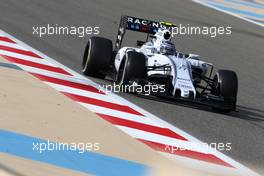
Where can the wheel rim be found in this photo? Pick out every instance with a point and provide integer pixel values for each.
(86, 56)
(216, 90)
(120, 74)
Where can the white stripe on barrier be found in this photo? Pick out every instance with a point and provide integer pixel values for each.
(77, 91)
(12, 45)
(119, 114)
(38, 70)
(26, 58)
(171, 142)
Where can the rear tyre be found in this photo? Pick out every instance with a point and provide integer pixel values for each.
(97, 57)
(132, 67)
(226, 86)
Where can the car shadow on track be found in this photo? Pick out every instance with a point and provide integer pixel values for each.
(248, 113)
(242, 112)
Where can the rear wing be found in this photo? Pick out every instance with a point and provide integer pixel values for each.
(138, 25)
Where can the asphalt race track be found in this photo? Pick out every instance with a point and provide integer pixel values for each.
(242, 51)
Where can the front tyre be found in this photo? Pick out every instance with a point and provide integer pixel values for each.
(133, 66)
(226, 86)
(97, 57)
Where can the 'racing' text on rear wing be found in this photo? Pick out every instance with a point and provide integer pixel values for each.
(139, 25)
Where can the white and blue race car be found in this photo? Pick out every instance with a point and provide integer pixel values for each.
(155, 61)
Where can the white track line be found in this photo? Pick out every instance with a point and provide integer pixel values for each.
(228, 12)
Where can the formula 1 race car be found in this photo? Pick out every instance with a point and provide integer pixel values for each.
(155, 62)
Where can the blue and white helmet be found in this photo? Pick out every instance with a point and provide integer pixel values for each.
(163, 34)
(163, 42)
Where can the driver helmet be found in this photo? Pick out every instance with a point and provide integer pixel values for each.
(163, 34)
(166, 35)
